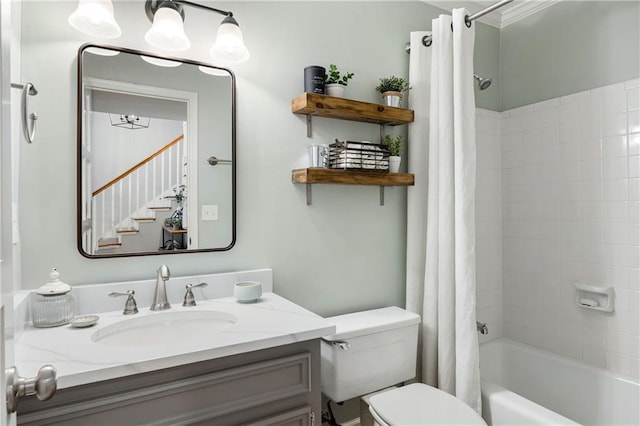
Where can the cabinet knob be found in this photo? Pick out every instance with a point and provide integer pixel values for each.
(380, 109)
(43, 386)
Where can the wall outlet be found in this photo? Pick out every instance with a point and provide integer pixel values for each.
(210, 212)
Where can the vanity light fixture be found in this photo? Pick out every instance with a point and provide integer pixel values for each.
(95, 17)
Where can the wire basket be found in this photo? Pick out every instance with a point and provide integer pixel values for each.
(364, 156)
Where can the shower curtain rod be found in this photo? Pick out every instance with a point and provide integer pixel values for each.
(426, 40)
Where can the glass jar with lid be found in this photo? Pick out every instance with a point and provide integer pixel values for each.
(52, 304)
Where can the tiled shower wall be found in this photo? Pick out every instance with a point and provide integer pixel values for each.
(489, 222)
(571, 210)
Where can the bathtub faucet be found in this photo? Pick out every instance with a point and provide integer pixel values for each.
(482, 327)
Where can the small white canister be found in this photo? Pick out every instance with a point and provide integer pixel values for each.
(51, 304)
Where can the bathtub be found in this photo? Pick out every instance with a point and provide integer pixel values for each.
(522, 385)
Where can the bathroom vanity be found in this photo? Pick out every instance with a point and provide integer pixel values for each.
(264, 368)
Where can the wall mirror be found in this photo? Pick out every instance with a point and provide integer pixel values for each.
(156, 154)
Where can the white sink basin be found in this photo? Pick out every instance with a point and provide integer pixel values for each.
(164, 327)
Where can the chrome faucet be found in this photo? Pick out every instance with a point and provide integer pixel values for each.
(482, 327)
(160, 302)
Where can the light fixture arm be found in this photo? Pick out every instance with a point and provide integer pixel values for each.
(150, 7)
(200, 6)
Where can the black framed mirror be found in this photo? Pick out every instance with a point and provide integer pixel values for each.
(156, 156)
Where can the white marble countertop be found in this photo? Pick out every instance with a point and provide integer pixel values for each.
(270, 322)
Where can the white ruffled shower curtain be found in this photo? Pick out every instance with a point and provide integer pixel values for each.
(441, 265)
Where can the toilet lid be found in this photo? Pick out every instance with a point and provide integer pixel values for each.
(420, 404)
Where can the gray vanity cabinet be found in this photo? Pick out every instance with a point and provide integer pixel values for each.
(276, 386)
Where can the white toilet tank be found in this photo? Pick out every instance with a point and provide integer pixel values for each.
(371, 350)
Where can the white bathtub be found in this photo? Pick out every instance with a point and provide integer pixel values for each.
(522, 385)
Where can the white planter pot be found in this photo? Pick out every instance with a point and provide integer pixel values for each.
(392, 98)
(394, 163)
(335, 89)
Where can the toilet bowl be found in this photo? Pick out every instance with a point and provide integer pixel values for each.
(420, 404)
(376, 349)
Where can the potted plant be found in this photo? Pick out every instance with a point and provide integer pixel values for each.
(392, 89)
(395, 145)
(335, 83)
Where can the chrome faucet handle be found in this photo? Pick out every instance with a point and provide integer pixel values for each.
(130, 306)
(189, 299)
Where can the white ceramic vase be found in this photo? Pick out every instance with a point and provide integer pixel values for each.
(392, 98)
(394, 163)
(335, 89)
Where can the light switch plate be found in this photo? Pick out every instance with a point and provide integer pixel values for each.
(209, 212)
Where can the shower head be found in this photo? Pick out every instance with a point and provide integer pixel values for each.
(483, 83)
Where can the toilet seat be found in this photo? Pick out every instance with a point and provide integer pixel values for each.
(420, 404)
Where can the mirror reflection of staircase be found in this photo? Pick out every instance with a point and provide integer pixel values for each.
(128, 213)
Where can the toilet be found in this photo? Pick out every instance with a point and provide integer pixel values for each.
(377, 349)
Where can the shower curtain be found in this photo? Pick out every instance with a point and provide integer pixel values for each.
(441, 207)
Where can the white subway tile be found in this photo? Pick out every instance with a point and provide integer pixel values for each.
(634, 234)
(590, 128)
(634, 121)
(591, 211)
(570, 132)
(569, 152)
(614, 168)
(614, 146)
(549, 116)
(549, 136)
(513, 124)
(634, 166)
(568, 191)
(633, 99)
(634, 189)
(615, 211)
(552, 343)
(591, 170)
(568, 211)
(634, 211)
(590, 149)
(512, 142)
(531, 120)
(618, 362)
(614, 102)
(572, 346)
(569, 172)
(614, 124)
(615, 189)
(634, 144)
(592, 191)
(615, 233)
(569, 112)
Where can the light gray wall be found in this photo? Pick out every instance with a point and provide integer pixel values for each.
(343, 253)
(567, 48)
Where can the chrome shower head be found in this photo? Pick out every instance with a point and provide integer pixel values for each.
(483, 83)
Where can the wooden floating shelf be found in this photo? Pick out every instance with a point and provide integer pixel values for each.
(348, 109)
(351, 177)
(314, 104)
(311, 176)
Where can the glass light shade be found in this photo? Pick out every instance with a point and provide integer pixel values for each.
(167, 31)
(95, 17)
(229, 46)
(214, 71)
(160, 62)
